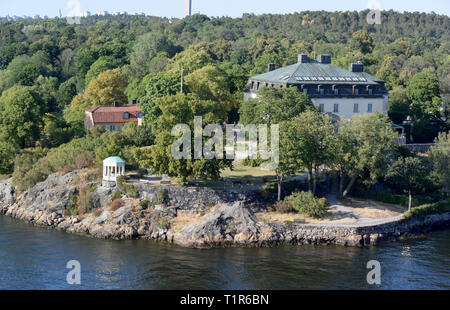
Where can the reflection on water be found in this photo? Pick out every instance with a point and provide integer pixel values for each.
(35, 258)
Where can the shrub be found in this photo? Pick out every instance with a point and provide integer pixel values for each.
(145, 204)
(97, 212)
(306, 203)
(284, 206)
(116, 195)
(427, 209)
(116, 204)
(401, 200)
(127, 189)
(162, 196)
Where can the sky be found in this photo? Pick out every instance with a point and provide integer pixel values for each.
(233, 8)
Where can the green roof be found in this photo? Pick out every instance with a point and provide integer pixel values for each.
(114, 160)
(316, 73)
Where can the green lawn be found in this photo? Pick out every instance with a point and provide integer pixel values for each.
(248, 175)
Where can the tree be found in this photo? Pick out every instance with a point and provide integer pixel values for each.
(274, 105)
(210, 83)
(314, 141)
(108, 87)
(147, 47)
(440, 157)
(100, 65)
(407, 173)
(425, 95)
(362, 42)
(375, 140)
(398, 105)
(21, 111)
(157, 86)
(181, 109)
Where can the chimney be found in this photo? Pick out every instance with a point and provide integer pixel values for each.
(116, 104)
(270, 67)
(303, 58)
(324, 59)
(357, 67)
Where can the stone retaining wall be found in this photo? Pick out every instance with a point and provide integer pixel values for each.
(195, 198)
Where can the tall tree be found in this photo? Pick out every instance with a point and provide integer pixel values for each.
(21, 111)
(408, 173)
(425, 95)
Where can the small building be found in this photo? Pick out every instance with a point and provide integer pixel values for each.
(113, 118)
(112, 168)
(335, 91)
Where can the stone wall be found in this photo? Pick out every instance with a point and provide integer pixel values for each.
(354, 235)
(195, 198)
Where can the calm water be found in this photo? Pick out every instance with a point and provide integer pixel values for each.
(35, 258)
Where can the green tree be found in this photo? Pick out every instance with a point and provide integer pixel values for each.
(408, 173)
(21, 111)
(425, 95)
(108, 87)
(440, 157)
(314, 141)
(362, 42)
(274, 105)
(375, 139)
(100, 65)
(157, 86)
(181, 109)
(398, 105)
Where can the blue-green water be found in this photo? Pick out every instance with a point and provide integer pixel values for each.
(36, 258)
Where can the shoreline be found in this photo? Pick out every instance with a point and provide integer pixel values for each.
(231, 224)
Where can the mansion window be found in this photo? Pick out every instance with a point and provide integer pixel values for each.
(369, 108)
(321, 91)
(336, 108)
(322, 107)
(356, 108)
(356, 91)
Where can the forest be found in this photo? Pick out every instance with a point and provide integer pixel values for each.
(52, 71)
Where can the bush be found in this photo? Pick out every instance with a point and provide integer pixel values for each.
(401, 200)
(306, 203)
(127, 189)
(116, 195)
(162, 196)
(427, 209)
(145, 204)
(116, 204)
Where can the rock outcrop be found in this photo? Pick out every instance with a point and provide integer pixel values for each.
(227, 224)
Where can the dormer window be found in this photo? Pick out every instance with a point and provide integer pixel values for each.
(126, 115)
(336, 91)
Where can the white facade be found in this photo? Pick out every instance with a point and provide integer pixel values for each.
(349, 107)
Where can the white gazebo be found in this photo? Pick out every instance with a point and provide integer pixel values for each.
(112, 168)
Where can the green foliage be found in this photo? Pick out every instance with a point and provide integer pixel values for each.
(162, 196)
(21, 111)
(361, 41)
(306, 203)
(408, 173)
(274, 105)
(425, 96)
(116, 195)
(428, 209)
(127, 189)
(440, 158)
(400, 200)
(398, 105)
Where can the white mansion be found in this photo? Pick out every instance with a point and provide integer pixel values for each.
(334, 90)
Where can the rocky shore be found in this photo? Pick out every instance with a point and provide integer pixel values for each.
(223, 225)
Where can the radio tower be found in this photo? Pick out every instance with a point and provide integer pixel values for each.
(188, 9)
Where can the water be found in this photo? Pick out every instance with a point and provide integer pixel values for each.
(36, 258)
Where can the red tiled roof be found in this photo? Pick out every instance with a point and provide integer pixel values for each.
(115, 114)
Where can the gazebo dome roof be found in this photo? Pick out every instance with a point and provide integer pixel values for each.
(114, 160)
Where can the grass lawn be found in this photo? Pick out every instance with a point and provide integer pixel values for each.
(248, 175)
